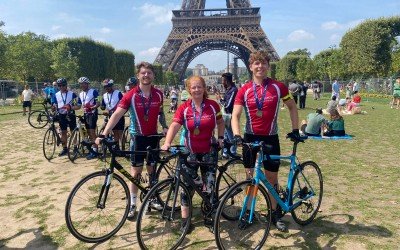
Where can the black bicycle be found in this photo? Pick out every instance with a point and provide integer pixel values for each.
(98, 205)
(40, 118)
(164, 229)
(52, 137)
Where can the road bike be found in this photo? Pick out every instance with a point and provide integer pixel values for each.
(98, 205)
(250, 203)
(163, 229)
(52, 137)
(40, 118)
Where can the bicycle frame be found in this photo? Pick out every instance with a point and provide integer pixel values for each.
(287, 204)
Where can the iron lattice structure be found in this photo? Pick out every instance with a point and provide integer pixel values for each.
(196, 30)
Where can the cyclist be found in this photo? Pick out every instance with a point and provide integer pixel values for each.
(131, 83)
(199, 116)
(109, 103)
(88, 99)
(227, 102)
(260, 98)
(65, 102)
(145, 104)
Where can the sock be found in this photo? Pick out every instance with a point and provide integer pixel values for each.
(94, 149)
(133, 199)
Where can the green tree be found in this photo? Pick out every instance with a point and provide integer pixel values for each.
(29, 55)
(368, 46)
(171, 78)
(158, 80)
(125, 65)
(64, 63)
(305, 69)
(329, 64)
(3, 47)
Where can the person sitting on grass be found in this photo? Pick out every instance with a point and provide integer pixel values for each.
(335, 125)
(332, 104)
(315, 123)
(354, 105)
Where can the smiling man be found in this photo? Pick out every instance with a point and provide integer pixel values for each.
(260, 99)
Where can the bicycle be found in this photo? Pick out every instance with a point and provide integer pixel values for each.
(98, 205)
(251, 203)
(40, 118)
(80, 135)
(161, 229)
(52, 138)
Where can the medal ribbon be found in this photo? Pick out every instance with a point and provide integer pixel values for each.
(109, 99)
(196, 119)
(260, 103)
(146, 107)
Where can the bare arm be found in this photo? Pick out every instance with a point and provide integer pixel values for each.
(235, 122)
(173, 129)
(162, 120)
(294, 116)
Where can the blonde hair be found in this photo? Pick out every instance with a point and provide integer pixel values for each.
(197, 78)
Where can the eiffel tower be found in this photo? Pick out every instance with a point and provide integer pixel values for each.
(196, 30)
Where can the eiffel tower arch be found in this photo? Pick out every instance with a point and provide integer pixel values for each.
(195, 30)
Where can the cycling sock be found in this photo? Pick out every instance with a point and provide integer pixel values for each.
(133, 199)
(94, 149)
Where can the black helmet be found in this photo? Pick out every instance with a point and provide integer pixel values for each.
(132, 80)
(62, 81)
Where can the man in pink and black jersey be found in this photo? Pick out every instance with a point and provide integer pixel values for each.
(259, 98)
(145, 104)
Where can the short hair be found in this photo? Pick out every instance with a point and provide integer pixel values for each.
(199, 78)
(228, 76)
(145, 65)
(260, 55)
(318, 111)
(333, 98)
(355, 92)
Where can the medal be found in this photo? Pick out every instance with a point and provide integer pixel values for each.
(197, 120)
(260, 102)
(146, 118)
(259, 113)
(196, 131)
(145, 107)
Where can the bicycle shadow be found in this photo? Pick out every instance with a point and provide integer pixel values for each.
(332, 226)
(40, 240)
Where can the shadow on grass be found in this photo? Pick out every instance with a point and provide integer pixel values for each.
(332, 227)
(38, 242)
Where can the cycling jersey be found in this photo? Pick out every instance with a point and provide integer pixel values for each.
(144, 111)
(111, 100)
(263, 122)
(88, 99)
(198, 142)
(62, 99)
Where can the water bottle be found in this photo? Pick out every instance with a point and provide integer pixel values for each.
(210, 177)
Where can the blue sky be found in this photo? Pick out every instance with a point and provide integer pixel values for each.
(143, 26)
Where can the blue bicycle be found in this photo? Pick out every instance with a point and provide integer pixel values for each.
(251, 203)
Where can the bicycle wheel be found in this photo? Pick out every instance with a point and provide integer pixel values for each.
(239, 233)
(38, 119)
(75, 146)
(126, 139)
(162, 229)
(49, 144)
(229, 174)
(307, 189)
(167, 168)
(89, 222)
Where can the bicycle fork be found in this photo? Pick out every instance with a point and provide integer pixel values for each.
(246, 215)
(101, 203)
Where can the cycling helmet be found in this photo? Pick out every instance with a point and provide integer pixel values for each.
(62, 81)
(83, 79)
(108, 83)
(132, 80)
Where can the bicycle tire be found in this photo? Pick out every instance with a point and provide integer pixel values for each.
(307, 179)
(49, 144)
(38, 119)
(75, 147)
(126, 139)
(155, 231)
(229, 174)
(118, 193)
(167, 168)
(236, 234)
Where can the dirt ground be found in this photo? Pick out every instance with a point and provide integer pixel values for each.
(34, 192)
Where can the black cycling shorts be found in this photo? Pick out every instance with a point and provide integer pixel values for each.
(140, 143)
(67, 121)
(27, 104)
(120, 124)
(91, 120)
(249, 156)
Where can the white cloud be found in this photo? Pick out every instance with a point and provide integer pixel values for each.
(334, 38)
(151, 52)
(105, 30)
(299, 35)
(333, 25)
(156, 14)
(59, 36)
(55, 27)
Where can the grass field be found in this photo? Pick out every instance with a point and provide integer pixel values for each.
(360, 207)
